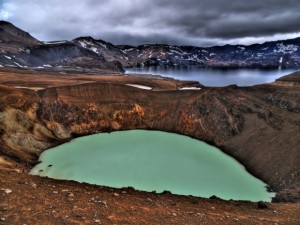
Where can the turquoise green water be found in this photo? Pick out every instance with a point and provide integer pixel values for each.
(152, 161)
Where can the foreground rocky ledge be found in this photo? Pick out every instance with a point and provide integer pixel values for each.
(33, 200)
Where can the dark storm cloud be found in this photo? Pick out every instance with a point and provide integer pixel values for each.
(188, 22)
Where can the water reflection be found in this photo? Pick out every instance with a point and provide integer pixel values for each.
(216, 77)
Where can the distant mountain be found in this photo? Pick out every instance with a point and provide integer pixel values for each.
(109, 51)
(12, 38)
(20, 49)
(285, 54)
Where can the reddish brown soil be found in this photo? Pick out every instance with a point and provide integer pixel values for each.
(40, 80)
(36, 200)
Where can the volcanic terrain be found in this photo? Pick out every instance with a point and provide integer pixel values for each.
(48, 97)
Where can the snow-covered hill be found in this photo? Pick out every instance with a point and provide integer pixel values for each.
(19, 49)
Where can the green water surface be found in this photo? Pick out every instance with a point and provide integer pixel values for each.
(152, 161)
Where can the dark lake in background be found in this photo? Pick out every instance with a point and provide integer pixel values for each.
(216, 77)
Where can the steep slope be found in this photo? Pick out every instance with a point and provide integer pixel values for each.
(20, 49)
(109, 51)
(60, 56)
(13, 38)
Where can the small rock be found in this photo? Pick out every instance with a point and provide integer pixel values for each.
(274, 211)
(262, 205)
(71, 195)
(236, 219)
(124, 192)
(213, 208)
(97, 221)
(7, 191)
(34, 185)
(2, 219)
(174, 214)
(55, 192)
(103, 203)
(75, 207)
(116, 194)
(214, 197)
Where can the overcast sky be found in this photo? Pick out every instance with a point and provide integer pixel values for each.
(181, 22)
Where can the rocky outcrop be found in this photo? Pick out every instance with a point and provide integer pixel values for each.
(289, 80)
(109, 51)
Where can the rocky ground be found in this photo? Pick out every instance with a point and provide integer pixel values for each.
(32, 200)
(259, 126)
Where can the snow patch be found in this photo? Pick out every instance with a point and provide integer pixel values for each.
(140, 86)
(189, 88)
(128, 50)
(103, 45)
(18, 64)
(176, 52)
(83, 44)
(7, 57)
(280, 60)
(94, 49)
(286, 48)
(55, 42)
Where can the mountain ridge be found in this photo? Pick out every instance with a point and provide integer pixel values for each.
(103, 55)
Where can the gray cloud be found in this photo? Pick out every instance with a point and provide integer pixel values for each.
(188, 22)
